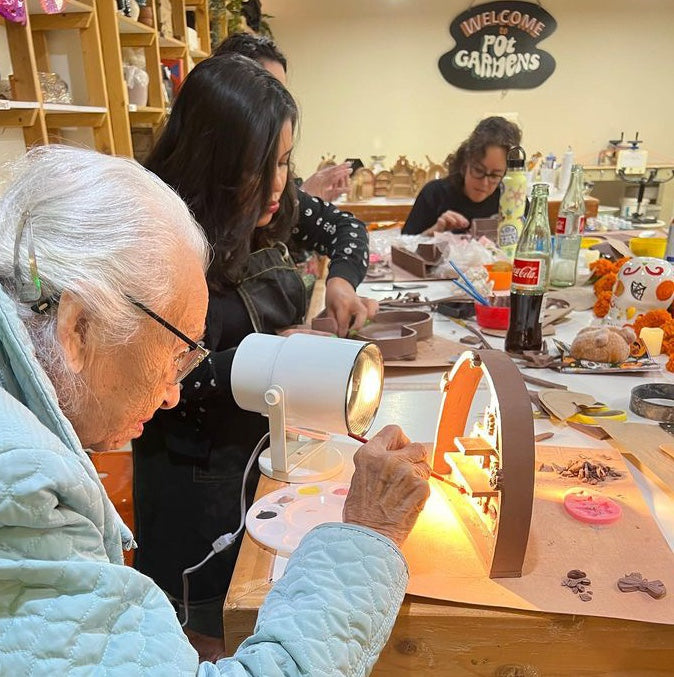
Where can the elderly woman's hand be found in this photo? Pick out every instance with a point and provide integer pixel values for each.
(349, 310)
(390, 485)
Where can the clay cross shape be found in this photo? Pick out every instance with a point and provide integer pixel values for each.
(635, 581)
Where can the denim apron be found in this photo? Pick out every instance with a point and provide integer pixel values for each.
(188, 466)
(272, 290)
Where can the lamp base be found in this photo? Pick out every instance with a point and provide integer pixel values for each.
(312, 461)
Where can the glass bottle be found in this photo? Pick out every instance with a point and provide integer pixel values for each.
(531, 273)
(568, 232)
(512, 203)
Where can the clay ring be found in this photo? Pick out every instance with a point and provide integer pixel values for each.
(640, 401)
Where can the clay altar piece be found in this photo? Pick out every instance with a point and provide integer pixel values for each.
(395, 332)
(495, 464)
(419, 263)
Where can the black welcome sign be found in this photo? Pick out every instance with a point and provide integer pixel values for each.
(496, 47)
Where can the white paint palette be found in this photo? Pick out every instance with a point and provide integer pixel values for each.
(281, 519)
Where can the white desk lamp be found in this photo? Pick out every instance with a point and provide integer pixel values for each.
(314, 383)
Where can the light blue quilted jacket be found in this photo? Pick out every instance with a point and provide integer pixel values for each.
(68, 606)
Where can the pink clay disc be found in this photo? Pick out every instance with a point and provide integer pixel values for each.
(591, 507)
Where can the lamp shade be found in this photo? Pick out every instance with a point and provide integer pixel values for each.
(328, 384)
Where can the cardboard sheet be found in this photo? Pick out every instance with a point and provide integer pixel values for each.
(642, 444)
(444, 564)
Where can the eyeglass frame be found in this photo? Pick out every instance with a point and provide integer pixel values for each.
(481, 174)
(202, 353)
(33, 293)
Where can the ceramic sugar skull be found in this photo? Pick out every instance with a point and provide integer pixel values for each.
(643, 284)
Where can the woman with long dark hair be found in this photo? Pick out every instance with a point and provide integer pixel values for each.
(471, 189)
(226, 150)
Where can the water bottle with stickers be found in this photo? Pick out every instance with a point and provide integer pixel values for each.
(512, 203)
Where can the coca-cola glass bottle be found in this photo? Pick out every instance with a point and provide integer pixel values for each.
(568, 233)
(531, 273)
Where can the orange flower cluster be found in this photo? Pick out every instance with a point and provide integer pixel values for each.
(604, 275)
(605, 283)
(602, 303)
(601, 267)
(659, 318)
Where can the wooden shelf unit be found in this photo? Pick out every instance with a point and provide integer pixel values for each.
(202, 27)
(118, 31)
(102, 32)
(29, 54)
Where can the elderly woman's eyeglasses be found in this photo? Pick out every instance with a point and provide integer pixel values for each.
(188, 360)
(479, 174)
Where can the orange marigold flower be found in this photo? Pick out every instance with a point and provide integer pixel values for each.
(602, 304)
(600, 267)
(657, 318)
(605, 283)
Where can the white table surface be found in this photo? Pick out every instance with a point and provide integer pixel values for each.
(412, 397)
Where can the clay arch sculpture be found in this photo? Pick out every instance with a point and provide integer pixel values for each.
(490, 471)
(395, 332)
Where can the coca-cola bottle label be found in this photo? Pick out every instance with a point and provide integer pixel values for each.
(565, 225)
(528, 273)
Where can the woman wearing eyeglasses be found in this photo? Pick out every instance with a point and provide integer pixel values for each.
(471, 189)
(102, 302)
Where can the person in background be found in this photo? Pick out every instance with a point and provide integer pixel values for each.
(327, 183)
(227, 150)
(471, 189)
(102, 300)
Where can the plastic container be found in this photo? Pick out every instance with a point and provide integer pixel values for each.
(492, 317)
(649, 246)
(588, 242)
(500, 278)
(628, 206)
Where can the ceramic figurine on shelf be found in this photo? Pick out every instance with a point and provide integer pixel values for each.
(361, 185)
(435, 170)
(54, 88)
(382, 183)
(13, 10)
(643, 284)
(402, 183)
(377, 164)
(327, 160)
(419, 177)
(146, 16)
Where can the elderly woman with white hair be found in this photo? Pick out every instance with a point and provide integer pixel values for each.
(102, 302)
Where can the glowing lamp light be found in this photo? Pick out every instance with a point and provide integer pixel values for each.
(308, 386)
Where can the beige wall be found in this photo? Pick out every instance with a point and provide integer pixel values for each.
(365, 75)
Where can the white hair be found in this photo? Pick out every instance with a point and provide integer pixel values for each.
(104, 229)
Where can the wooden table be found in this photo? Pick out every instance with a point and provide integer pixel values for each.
(380, 209)
(433, 637)
(442, 638)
